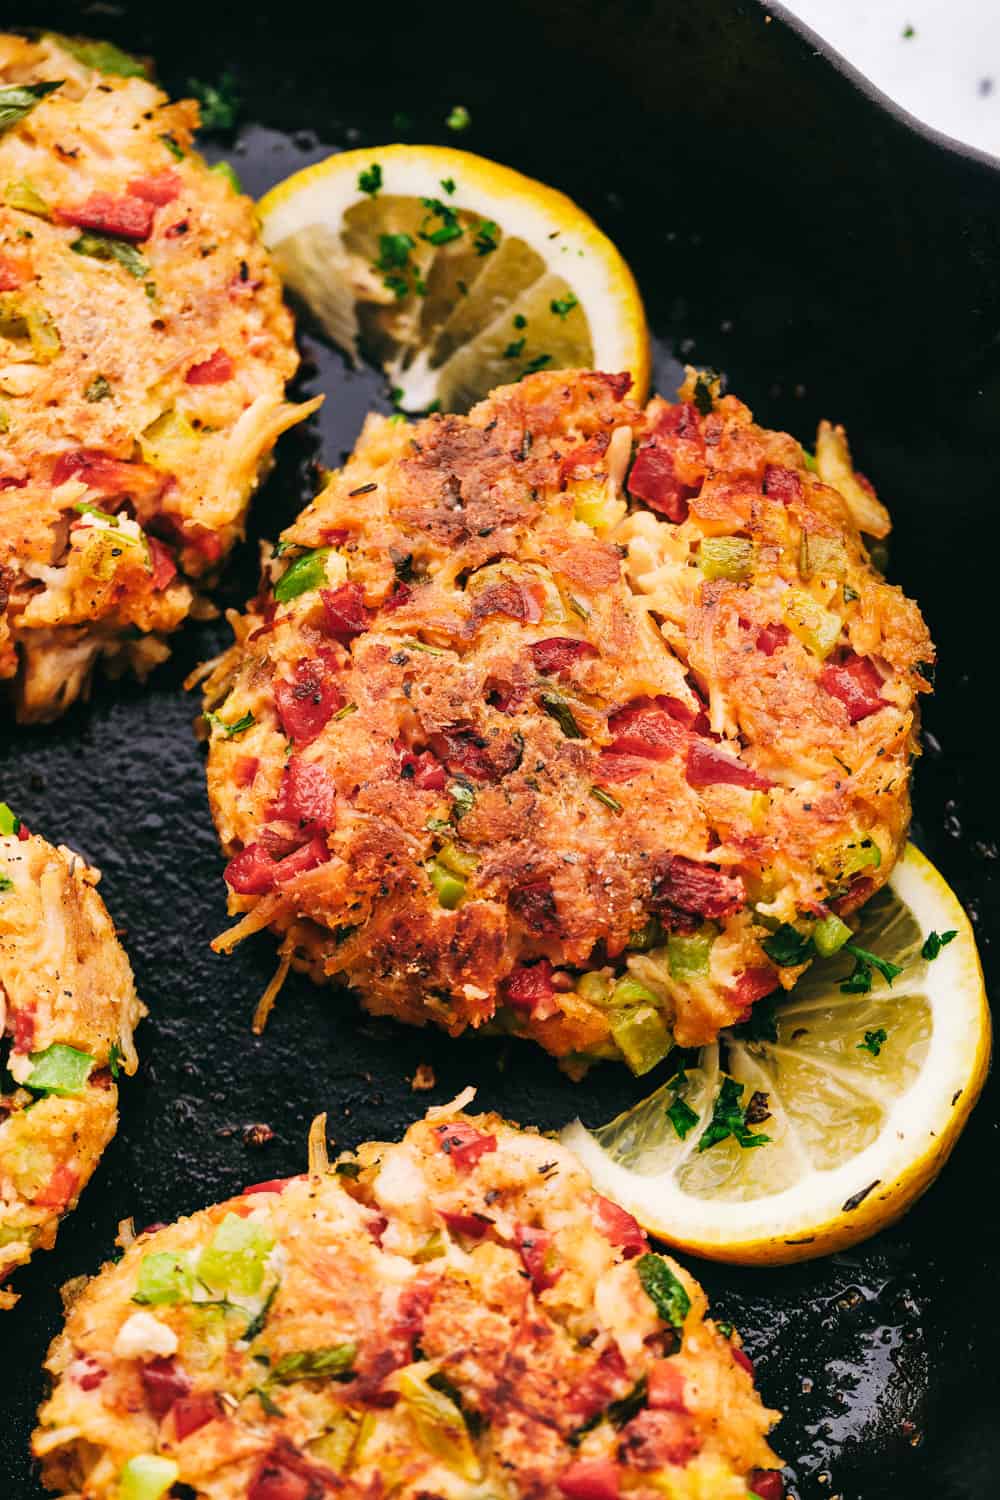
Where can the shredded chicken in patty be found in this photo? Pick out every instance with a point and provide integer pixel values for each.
(456, 1315)
(144, 351)
(67, 1011)
(584, 721)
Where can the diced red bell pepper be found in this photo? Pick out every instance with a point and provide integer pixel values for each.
(529, 988)
(215, 370)
(158, 189)
(164, 567)
(654, 481)
(306, 705)
(163, 1383)
(856, 682)
(654, 1439)
(12, 275)
(743, 1360)
(251, 872)
(767, 1484)
(701, 890)
(309, 857)
(24, 1030)
(245, 769)
(344, 613)
(752, 985)
(472, 1226)
(770, 637)
(273, 1185)
(665, 1386)
(520, 601)
(535, 904)
(59, 1189)
(424, 769)
(535, 1246)
(414, 1304)
(193, 1412)
(464, 1144)
(87, 1373)
(306, 796)
(107, 475)
(466, 752)
(619, 1227)
(591, 1479)
(782, 484)
(127, 217)
(651, 727)
(553, 656)
(708, 765)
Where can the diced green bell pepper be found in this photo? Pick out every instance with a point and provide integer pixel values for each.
(234, 1261)
(10, 823)
(830, 935)
(59, 1070)
(593, 987)
(26, 198)
(224, 170)
(459, 861)
(147, 1477)
(688, 953)
(449, 886)
(637, 1026)
(306, 573)
(163, 1279)
(728, 557)
(817, 628)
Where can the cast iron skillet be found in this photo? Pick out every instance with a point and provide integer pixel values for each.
(835, 261)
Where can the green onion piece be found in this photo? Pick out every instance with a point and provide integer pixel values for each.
(345, 712)
(147, 1477)
(238, 726)
(18, 100)
(450, 887)
(440, 1424)
(6, 884)
(163, 1279)
(234, 1261)
(26, 198)
(830, 935)
(557, 708)
(106, 247)
(817, 628)
(103, 57)
(726, 557)
(10, 823)
(99, 389)
(315, 1364)
(688, 955)
(305, 574)
(228, 173)
(663, 1289)
(612, 803)
(60, 1070)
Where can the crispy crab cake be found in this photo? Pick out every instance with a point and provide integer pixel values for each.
(586, 721)
(144, 350)
(456, 1315)
(69, 1007)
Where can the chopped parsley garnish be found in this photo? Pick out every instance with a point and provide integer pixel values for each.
(874, 1041)
(107, 247)
(394, 251)
(935, 941)
(729, 1118)
(20, 99)
(458, 118)
(6, 884)
(463, 796)
(449, 227)
(514, 349)
(762, 1023)
(115, 1060)
(663, 1289)
(485, 239)
(519, 320)
(859, 981)
(99, 389)
(726, 1329)
(538, 363)
(612, 803)
(448, 183)
(306, 573)
(703, 398)
(173, 146)
(219, 102)
(788, 947)
(332, 1363)
(371, 180)
(557, 708)
(563, 306)
(236, 727)
(59, 1070)
(397, 285)
(348, 1168)
(680, 1114)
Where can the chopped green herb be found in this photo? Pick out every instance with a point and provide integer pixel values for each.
(463, 796)
(538, 363)
(271, 1407)
(9, 822)
(563, 306)
(229, 174)
(874, 1041)
(256, 1324)
(729, 1119)
(316, 1364)
(459, 118)
(788, 947)
(397, 285)
(859, 981)
(448, 183)
(935, 941)
(173, 145)
(103, 57)
(909, 32)
(59, 1070)
(619, 1412)
(810, 460)
(663, 1289)
(473, 1419)
(115, 1060)
(345, 712)
(703, 398)
(557, 708)
(682, 1117)
(612, 803)
(726, 1329)
(106, 247)
(163, 1279)
(6, 884)
(348, 1169)
(486, 239)
(19, 100)
(370, 181)
(762, 1023)
(99, 389)
(514, 349)
(219, 102)
(449, 227)
(306, 573)
(413, 645)
(230, 731)
(519, 320)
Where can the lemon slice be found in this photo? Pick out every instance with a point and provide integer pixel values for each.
(865, 1095)
(454, 273)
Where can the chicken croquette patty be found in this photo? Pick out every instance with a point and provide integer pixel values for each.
(457, 1315)
(144, 350)
(591, 722)
(69, 1006)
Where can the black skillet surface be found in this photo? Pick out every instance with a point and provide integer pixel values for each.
(788, 229)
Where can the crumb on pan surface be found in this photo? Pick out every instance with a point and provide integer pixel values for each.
(458, 1314)
(570, 718)
(144, 350)
(68, 1007)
